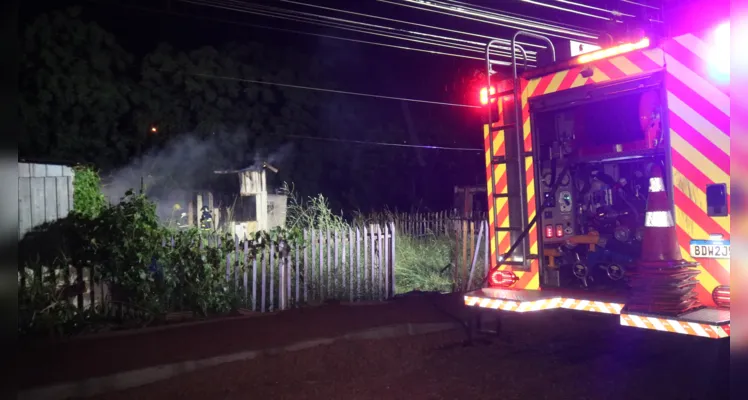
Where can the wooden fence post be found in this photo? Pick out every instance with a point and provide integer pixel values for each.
(475, 258)
(393, 263)
(306, 264)
(271, 296)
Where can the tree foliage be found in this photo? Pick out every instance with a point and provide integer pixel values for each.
(85, 98)
(74, 90)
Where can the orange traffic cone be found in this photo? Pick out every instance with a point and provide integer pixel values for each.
(660, 241)
(661, 282)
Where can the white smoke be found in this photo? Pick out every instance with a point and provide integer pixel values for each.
(186, 165)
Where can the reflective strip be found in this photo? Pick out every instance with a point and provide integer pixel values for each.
(656, 185)
(544, 304)
(675, 326)
(659, 219)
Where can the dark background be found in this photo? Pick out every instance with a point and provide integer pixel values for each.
(354, 176)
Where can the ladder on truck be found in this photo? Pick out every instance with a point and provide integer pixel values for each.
(514, 156)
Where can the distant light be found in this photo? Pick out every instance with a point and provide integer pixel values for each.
(154, 129)
(719, 53)
(613, 51)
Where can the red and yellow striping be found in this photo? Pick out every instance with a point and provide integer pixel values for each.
(699, 115)
(699, 120)
(674, 326)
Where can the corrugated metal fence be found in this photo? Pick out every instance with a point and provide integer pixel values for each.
(45, 194)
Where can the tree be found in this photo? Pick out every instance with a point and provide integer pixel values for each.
(74, 90)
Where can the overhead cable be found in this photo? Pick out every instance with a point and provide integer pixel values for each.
(416, 146)
(479, 46)
(268, 12)
(559, 8)
(520, 17)
(233, 78)
(532, 22)
(428, 51)
(306, 33)
(489, 18)
(439, 28)
(587, 6)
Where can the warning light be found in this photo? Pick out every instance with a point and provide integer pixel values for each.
(484, 94)
(559, 230)
(503, 278)
(719, 53)
(549, 231)
(721, 296)
(613, 51)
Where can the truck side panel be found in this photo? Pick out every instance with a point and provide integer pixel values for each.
(699, 121)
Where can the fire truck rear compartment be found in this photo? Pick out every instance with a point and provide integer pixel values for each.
(597, 155)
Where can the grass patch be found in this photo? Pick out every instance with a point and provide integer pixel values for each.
(423, 264)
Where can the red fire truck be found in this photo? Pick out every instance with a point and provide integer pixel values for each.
(608, 182)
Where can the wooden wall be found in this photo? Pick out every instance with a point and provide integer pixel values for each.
(45, 194)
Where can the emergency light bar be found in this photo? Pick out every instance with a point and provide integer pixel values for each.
(589, 57)
(612, 51)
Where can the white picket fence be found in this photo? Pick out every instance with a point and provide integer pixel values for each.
(356, 264)
(349, 265)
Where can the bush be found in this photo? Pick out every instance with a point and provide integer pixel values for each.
(146, 265)
(88, 199)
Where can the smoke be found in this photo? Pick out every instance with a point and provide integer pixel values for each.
(172, 173)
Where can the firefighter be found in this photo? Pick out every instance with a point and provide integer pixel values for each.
(206, 219)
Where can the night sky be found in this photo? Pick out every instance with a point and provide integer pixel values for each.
(140, 25)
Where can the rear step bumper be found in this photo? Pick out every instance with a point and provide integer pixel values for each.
(708, 322)
(537, 300)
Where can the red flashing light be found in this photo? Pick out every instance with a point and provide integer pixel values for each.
(503, 278)
(721, 296)
(549, 231)
(485, 93)
(559, 230)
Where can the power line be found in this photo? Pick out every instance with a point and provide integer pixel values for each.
(283, 14)
(467, 45)
(332, 90)
(257, 26)
(493, 18)
(274, 12)
(569, 10)
(505, 41)
(433, 52)
(518, 16)
(417, 146)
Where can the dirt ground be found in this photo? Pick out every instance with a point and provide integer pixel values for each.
(549, 355)
(48, 362)
(581, 357)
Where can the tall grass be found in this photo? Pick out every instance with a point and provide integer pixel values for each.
(424, 265)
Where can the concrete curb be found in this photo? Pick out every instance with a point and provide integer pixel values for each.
(144, 376)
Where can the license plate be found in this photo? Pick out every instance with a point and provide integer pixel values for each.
(710, 249)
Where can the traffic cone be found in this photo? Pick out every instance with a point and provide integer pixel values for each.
(661, 282)
(660, 241)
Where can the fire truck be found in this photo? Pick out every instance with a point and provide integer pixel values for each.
(608, 182)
